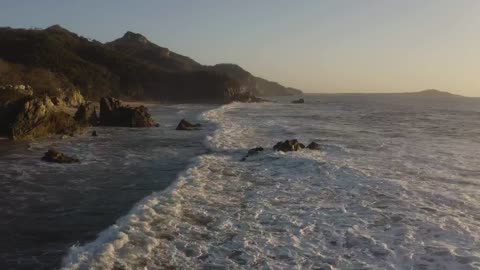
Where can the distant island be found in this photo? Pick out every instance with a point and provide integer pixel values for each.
(423, 93)
(431, 93)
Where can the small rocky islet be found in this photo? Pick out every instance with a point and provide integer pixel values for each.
(299, 101)
(284, 146)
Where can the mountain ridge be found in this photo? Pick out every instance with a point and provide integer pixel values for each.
(139, 46)
(130, 67)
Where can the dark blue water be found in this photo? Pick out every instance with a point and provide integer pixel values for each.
(46, 208)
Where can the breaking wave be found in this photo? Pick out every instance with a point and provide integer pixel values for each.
(339, 208)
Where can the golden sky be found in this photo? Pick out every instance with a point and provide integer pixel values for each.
(314, 45)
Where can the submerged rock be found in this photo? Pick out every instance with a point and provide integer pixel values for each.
(113, 113)
(58, 157)
(252, 152)
(185, 125)
(288, 145)
(313, 146)
(299, 101)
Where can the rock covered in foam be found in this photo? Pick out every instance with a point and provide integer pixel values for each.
(313, 146)
(294, 145)
(288, 145)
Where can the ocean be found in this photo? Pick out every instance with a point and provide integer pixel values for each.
(396, 185)
(47, 208)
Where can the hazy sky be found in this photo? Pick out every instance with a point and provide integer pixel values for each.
(315, 45)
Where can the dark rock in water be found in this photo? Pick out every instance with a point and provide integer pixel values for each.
(113, 113)
(57, 157)
(299, 101)
(94, 133)
(288, 145)
(313, 146)
(252, 152)
(185, 125)
(87, 115)
(157, 125)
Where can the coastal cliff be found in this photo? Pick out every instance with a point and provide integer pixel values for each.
(130, 67)
(260, 86)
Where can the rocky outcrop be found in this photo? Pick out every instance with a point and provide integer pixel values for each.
(185, 125)
(114, 113)
(58, 157)
(294, 145)
(298, 101)
(87, 115)
(73, 98)
(257, 85)
(314, 146)
(36, 118)
(253, 152)
(288, 145)
(24, 116)
(68, 98)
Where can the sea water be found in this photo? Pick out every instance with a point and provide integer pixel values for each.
(396, 185)
(46, 208)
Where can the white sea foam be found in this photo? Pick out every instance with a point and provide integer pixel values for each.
(332, 209)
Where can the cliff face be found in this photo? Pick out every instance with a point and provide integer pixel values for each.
(259, 86)
(140, 71)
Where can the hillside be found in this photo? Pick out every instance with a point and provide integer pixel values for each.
(262, 87)
(137, 46)
(98, 69)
